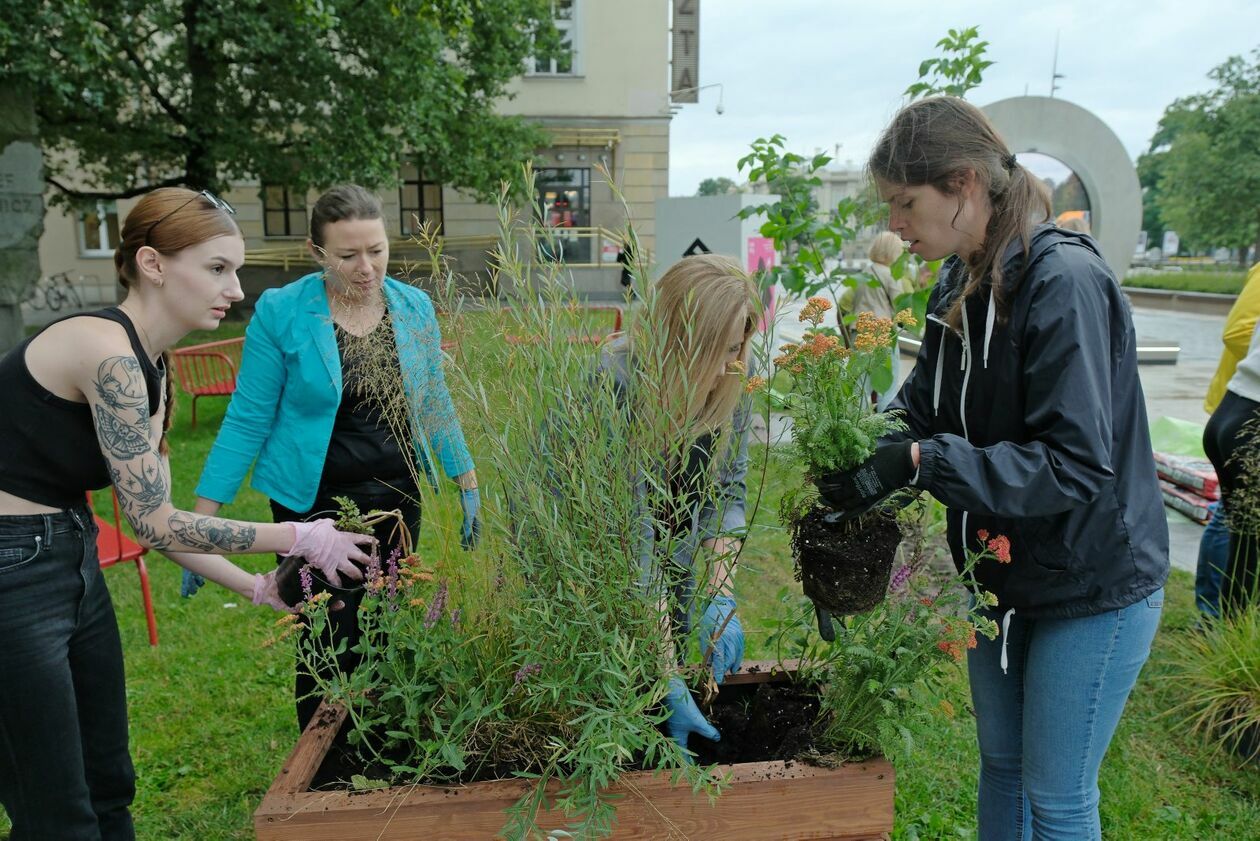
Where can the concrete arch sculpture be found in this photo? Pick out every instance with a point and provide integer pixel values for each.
(1085, 143)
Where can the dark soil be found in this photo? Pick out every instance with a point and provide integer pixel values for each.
(758, 722)
(844, 567)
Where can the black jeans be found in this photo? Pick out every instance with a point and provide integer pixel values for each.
(343, 624)
(1222, 436)
(65, 772)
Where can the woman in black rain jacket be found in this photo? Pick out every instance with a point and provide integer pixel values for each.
(1026, 418)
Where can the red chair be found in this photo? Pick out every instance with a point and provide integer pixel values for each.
(207, 370)
(114, 547)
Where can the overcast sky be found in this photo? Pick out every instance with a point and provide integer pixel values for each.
(822, 72)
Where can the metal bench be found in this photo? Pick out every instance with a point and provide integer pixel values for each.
(207, 370)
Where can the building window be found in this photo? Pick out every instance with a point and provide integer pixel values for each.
(98, 230)
(284, 211)
(419, 201)
(565, 61)
(564, 195)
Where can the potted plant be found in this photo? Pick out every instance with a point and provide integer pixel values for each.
(843, 565)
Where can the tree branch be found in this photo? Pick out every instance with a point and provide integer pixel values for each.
(176, 181)
(145, 79)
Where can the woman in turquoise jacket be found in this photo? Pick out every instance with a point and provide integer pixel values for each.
(318, 412)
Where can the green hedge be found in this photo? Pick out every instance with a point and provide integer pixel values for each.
(1226, 283)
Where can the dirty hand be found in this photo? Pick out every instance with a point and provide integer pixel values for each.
(190, 583)
(266, 592)
(470, 529)
(329, 550)
(685, 717)
(851, 492)
(728, 650)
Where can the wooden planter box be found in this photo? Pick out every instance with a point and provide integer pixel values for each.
(765, 800)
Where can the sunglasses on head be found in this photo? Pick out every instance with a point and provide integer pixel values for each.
(214, 200)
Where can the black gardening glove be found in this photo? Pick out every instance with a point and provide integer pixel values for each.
(852, 492)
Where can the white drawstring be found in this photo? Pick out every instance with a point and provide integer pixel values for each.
(1006, 626)
(940, 370)
(989, 319)
(966, 368)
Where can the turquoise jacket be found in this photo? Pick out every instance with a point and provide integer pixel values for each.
(289, 388)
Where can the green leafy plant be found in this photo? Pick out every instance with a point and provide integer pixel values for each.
(834, 423)
(960, 69)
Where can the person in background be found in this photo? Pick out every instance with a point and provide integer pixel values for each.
(881, 298)
(1240, 324)
(323, 357)
(87, 403)
(1231, 440)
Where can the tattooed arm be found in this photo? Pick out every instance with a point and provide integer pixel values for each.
(118, 396)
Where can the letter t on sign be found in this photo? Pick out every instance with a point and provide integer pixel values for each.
(684, 62)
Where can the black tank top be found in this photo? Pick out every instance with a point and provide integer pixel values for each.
(49, 453)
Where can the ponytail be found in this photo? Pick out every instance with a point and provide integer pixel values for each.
(168, 398)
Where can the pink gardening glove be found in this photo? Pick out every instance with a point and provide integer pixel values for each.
(265, 592)
(328, 550)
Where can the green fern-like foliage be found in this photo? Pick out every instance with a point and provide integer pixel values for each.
(835, 426)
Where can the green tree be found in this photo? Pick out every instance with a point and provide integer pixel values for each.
(716, 186)
(1207, 162)
(137, 94)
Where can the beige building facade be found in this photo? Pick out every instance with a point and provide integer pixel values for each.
(605, 103)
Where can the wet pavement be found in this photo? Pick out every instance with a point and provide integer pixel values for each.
(1175, 391)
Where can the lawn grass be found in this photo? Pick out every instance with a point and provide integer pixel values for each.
(212, 715)
(1221, 283)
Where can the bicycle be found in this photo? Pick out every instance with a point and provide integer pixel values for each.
(54, 291)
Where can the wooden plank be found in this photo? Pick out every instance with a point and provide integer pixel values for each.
(312, 746)
(791, 801)
(767, 800)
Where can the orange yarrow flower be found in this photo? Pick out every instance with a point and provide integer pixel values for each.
(820, 343)
(905, 318)
(814, 309)
(754, 383)
(1001, 546)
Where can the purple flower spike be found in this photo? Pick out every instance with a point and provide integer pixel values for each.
(391, 574)
(527, 671)
(900, 577)
(308, 585)
(437, 607)
(455, 615)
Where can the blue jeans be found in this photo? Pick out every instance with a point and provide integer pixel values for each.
(65, 771)
(1209, 573)
(1045, 724)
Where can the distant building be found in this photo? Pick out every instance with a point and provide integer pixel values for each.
(607, 101)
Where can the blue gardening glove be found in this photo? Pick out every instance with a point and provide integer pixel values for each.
(190, 584)
(728, 652)
(470, 529)
(685, 717)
